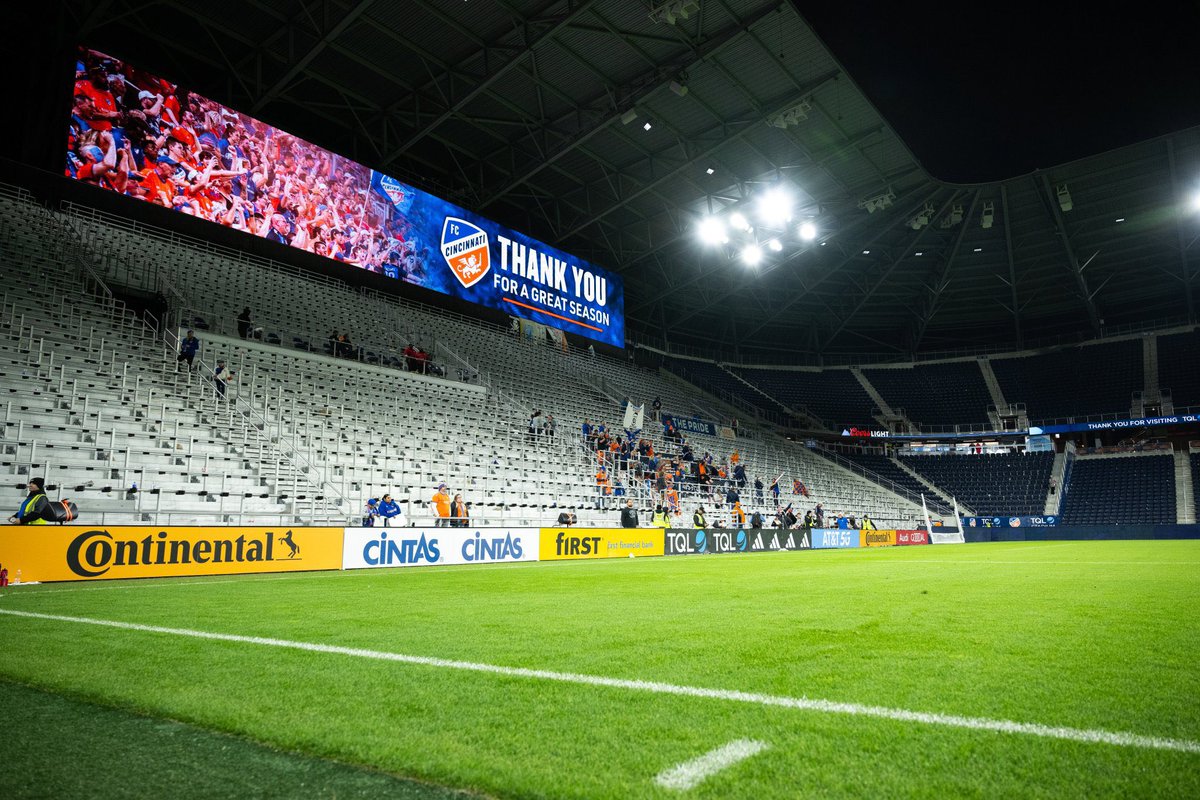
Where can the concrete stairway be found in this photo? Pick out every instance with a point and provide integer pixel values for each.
(1185, 503)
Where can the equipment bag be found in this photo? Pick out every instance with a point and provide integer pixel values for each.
(62, 511)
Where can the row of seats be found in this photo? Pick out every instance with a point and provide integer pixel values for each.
(991, 484)
(1123, 490)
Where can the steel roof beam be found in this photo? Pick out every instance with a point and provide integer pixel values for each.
(1060, 225)
(1180, 204)
(942, 279)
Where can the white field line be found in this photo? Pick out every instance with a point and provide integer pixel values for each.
(1115, 738)
(691, 774)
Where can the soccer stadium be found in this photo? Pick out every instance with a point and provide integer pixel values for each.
(600, 399)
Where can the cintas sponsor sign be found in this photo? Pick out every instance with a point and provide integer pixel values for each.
(367, 548)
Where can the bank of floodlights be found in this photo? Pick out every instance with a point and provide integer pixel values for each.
(674, 10)
(790, 117)
(878, 202)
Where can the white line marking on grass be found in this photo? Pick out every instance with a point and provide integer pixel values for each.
(691, 774)
(1116, 738)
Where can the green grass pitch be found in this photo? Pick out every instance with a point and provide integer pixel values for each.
(1091, 636)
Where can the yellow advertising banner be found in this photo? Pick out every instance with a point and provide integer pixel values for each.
(558, 544)
(877, 538)
(79, 552)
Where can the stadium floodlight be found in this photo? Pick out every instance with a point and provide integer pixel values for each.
(673, 10)
(709, 171)
(739, 222)
(878, 202)
(988, 216)
(790, 117)
(954, 217)
(1064, 197)
(775, 206)
(775, 245)
(922, 219)
(711, 230)
(647, 126)
(629, 116)
(751, 255)
(808, 231)
(678, 88)
(1196, 201)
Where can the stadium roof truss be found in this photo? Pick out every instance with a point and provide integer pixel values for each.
(534, 112)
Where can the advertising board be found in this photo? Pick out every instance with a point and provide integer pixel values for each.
(912, 537)
(831, 538)
(877, 538)
(79, 552)
(559, 544)
(368, 548)
(690, 541)
(771, 540)
(139, 135)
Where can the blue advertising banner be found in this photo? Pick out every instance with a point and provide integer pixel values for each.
(1117, 424)
(139, 135)
(830, 538)
(690, 424)
(1046, 521)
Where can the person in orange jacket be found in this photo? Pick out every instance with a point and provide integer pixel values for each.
(441, 503)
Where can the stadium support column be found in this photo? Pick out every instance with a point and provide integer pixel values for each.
(1012, 267)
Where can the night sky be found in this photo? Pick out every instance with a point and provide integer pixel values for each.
(987, 91)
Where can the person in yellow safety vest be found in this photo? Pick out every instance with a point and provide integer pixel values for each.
(35, 509)
(867, 525)
(698, 520)
(661, 519)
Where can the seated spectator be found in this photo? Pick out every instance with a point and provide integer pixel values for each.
(370, 513)
(389, 509)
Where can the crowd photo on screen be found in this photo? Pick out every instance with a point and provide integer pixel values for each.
(137, 134)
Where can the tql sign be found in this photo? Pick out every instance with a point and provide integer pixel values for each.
(688, 541)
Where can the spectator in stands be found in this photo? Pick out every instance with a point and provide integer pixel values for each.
(222, 375)
(629, 515)
(586, 429)
(35, 508)
(657, 406)
(698, 519)
(738, 516)
(843, 523)
(775, 490)
(550, 426)
(389, 509)
(758, 490)
(441, 505)
(756, 520)
(819, 514)
(603, 487)
(732, 497)
(244, 322)
(618, 487)
(567, 518)
(460, 516)
(535, 423)
(188, 346)
(810, 519)
(739, 475)
(370, 513)
(853, 523)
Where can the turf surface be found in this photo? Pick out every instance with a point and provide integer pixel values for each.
(1097, 635)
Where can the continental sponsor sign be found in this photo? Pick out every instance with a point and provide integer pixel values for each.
(75, 552)
(558, 544)
(877, 538)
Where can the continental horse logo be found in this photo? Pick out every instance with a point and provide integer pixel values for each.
(465, 248)
(293, 548)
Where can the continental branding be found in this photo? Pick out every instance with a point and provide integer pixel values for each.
(130, 551)
(885, 538)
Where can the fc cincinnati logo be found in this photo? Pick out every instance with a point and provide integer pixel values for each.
(465, 248)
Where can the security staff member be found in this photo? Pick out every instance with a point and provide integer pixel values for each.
(698, 519)
(35, 509)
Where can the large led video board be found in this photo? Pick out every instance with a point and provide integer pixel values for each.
(137, 134)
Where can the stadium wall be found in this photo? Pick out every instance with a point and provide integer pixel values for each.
(1079, 533)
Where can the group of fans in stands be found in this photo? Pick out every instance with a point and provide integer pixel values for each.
(449, 513)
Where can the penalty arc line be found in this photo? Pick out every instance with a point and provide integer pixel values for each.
(1089, 736)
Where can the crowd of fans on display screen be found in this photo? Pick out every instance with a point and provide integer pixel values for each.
(137, 134)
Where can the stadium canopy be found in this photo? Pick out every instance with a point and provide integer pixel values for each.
(613, 128)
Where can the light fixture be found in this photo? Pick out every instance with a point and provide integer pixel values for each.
(647, 126)
(739, 222)
(678, 88)
(1119, 219)
(808, 231)
(866, 252)
(709, 171)
(922, 219)
(1196, 201)
(672, 10)
(1064, 197)
(954, 217)
(775, 206)
(879, 201)
(751, 255)
(978, 249)
(629, 116)
(824, 243)
(711, 230)
(988, 216)
(790, 116)
(775, 245)
(918, 254)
